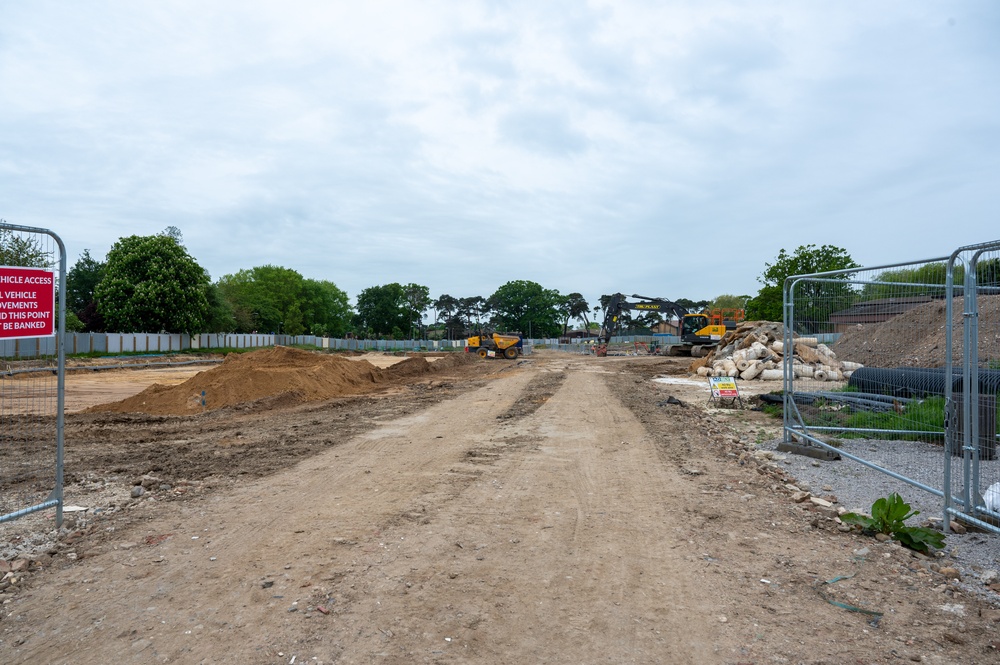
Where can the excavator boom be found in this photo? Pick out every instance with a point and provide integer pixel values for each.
(699, 331)
(619, 303)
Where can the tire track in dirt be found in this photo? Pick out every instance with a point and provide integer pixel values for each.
(559, 511)
(561, 551)
(203, 577)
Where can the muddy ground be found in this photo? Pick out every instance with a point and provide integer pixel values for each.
(556, 509)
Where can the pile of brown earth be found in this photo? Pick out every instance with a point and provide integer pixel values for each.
(918, 337)
(291, 375)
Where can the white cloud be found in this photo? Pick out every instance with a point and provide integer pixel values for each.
(590, 147)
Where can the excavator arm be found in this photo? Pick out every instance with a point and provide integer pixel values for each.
(619, 304)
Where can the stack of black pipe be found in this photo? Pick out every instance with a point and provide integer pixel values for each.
(917, 381)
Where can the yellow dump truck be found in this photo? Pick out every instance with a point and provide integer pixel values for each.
(495, 345)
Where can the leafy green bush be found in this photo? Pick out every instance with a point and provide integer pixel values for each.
(888, 517)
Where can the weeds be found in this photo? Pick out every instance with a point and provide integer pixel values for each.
(918, 416)
(888, 517)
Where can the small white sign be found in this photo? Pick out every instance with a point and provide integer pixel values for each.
(723, 387)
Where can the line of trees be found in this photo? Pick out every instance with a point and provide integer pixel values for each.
(152, 283)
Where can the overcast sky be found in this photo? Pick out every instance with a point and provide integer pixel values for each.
(662, 148)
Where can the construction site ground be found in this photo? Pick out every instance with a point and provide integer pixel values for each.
(554, 509)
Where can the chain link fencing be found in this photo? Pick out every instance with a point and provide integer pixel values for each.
(914, 360)
(32, 261)
(971, 462)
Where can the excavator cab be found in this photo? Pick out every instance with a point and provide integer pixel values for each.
(692, 325)
(700, 329)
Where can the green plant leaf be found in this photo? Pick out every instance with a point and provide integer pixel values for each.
(899, 510)
(880, 512)
(888, 517)
(918, 538)
(860, 520)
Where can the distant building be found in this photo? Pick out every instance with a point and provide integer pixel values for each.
(875, 311)
(576, 334)
(672, 327)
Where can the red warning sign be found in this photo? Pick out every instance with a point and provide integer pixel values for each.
(27, 302)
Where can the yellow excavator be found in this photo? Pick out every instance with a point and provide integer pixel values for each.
(495, 345)
(700, 332)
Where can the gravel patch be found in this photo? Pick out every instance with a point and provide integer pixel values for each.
(857, 486)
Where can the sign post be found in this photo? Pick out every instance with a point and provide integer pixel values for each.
(27, 302)
(723, 388)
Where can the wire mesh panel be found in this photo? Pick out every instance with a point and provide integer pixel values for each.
(32, 306)
(876, 395)
(972, 467)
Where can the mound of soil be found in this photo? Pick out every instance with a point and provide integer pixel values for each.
(918, 337)
(278, 375)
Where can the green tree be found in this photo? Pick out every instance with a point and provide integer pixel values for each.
(383, 310)
(81, 281)
(446, 309)
(526, 307)
(601, 310)
(562, 305)
(988, 272)
(472, 311)
(219, 318)
(276, 299)
(294, 323)
(16, 250)
(923, 280)
(418, 299)
(151, 283)
(73, 323)
(814, 299)
(626, 318)
(578, 308)
(326, 308)
(727, 301)
(260, 296)
(693, 306)
(928, 279)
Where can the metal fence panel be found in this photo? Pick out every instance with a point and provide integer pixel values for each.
(876, 396)
(911, 386)
(972, 470)
(31, 390)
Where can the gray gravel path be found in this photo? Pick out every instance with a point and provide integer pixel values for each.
(857, 486)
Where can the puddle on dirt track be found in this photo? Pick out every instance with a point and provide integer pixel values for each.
(673, 380)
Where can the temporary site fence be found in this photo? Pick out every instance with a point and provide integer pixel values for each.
(926, 333)
(112, 343)
(32, 300)
(617, 345)
(972, 490)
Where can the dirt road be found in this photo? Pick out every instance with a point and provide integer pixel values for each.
(553, 511)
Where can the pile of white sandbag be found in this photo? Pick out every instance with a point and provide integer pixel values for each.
(755, 350)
